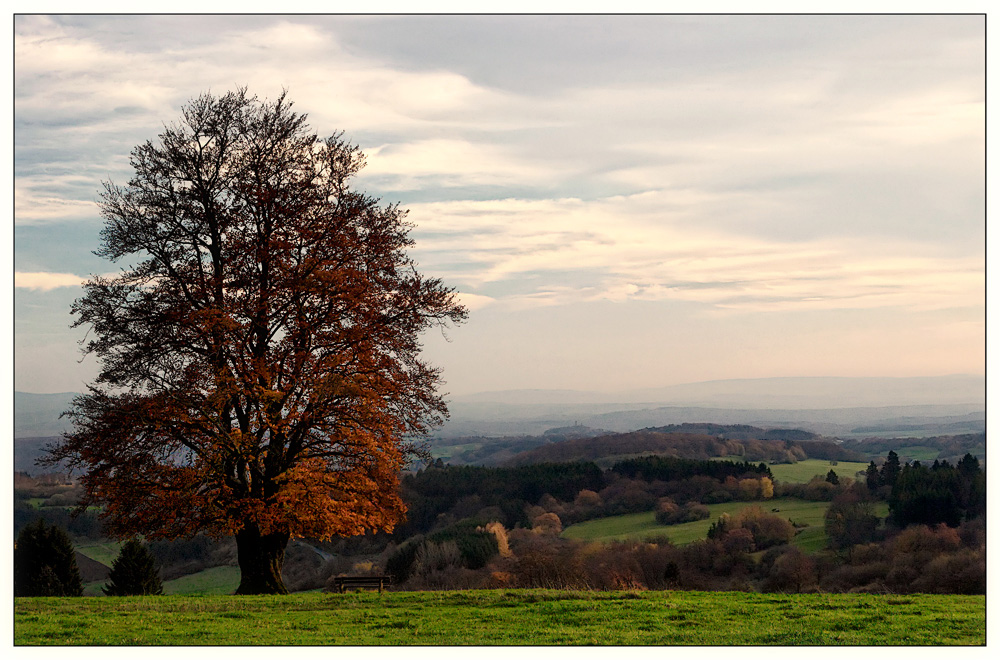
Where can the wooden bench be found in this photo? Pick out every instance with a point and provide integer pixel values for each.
(344, 582)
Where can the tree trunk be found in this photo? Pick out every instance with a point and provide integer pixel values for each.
(261, 557)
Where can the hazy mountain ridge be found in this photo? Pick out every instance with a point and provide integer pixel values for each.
(38, 415)
(830, 422)
(827, 406)
(785, 393)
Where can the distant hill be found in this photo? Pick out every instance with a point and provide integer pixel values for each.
(37, 415)
(28, 450)
(484, 419)
(752, 444)
(783, 393)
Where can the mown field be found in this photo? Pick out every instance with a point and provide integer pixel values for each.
(808, 515)
(802, 471)
(504, 617)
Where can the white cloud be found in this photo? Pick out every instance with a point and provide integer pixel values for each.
(46, 281)
(473, 301)
(449, 163)
(633, 248)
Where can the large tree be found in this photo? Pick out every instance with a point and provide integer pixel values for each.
(260, 371)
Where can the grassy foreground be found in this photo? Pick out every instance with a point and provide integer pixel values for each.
(505, 617)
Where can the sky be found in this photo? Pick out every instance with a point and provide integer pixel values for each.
(621, 201)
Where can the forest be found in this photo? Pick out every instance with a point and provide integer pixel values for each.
(476, 526)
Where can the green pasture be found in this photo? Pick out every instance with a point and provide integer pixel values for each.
(917, 453)
(219, 580)
(504, 617)
(803, 513)
(104, 552)
(802, 471)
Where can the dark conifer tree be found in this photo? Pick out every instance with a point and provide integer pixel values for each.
(45, 562)
(872, 477)
(890, 469)
(133, 573)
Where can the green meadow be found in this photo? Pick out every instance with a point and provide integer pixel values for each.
(802, 471)
(803, 513)
(504, 617)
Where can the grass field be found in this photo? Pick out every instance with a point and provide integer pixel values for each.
(504, 617)
(644, 525)
(917, 453)
(105, 552)
(803, 471)
(219, 580)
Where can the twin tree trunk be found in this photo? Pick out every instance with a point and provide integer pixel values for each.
(261, 557)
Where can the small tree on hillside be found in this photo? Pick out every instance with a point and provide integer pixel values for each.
(133, 573)
(45, 563)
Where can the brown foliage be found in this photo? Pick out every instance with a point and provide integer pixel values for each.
(545, 561)
(767, 529)
(792, 572)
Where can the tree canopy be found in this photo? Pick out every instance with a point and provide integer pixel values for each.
(260, 370)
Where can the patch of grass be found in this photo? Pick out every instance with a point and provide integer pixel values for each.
(917, 453)
(216, 580)
(504, 617)
(803, 471)
(104, 552)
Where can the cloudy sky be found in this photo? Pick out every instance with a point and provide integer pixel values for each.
(622, 201)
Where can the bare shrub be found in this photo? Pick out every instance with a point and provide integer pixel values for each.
(659, 565)
(792, 572)
(447, 578)
(961, 572)
(867, 553)
(546, 561)
(924, 540)
(436, 557)
(738, 540)
(610, 566)
(903, 572)
(851, 577)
